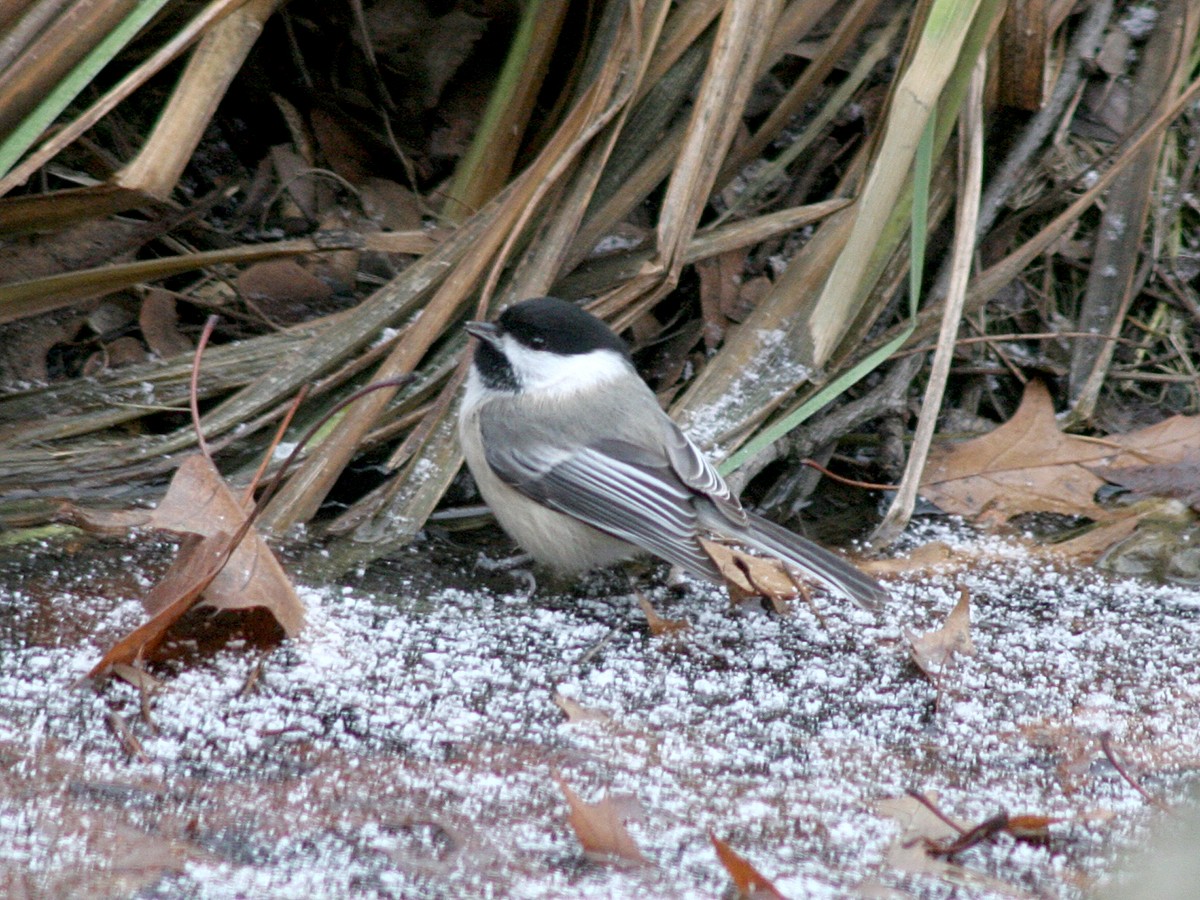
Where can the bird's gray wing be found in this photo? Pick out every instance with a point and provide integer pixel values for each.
(694, 470)
(613, 485)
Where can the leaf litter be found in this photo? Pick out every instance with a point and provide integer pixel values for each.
(407, 743)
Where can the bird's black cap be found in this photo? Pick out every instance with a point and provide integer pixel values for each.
(547, 323)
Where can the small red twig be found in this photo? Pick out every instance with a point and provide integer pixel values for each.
(850, 482)
(929, 805)
(1110, 754)
(279, 433)
(194, 388)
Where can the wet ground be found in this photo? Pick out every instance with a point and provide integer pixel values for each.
(412, 741)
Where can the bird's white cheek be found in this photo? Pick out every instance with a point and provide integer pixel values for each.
(544, 373)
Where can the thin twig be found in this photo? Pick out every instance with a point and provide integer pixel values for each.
(929, 805)
(849, 482)
(1111, 756)
(194, 394)
(275, 441)
(1013, 336)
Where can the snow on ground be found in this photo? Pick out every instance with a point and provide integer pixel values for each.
(408, 743)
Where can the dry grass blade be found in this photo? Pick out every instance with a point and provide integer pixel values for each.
(548, 254)
(916, 97)
(325, 347)
(732, 70)
(840, 98)
(66, 40)
(412, 496)
(21, 22)
(848, 30)
(971, 143)
(650, 145)
(26, 298)
(1112, 279)
(682, 30)
(730, 74)
(164, 55)
(487, 165)
(985, 286)
(497, 225)
(606, 273)
(800, 323)
(217, 59)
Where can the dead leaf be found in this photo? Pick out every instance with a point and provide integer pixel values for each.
(306, 196)
(934, 650)
(392, 205)
(1094, 542)
(1031, 829)
(919, 559)
(919, 827)
(753, 576)
(1025, 464)
(747, 879)
(283, 290)
(749, 296)
(341, 147)
(658, 624)
(102, 521)
(576, 712)
(199, 502)
(719, 282)
(159, 322)
(177, 591)
(600, 826)
(982, 833)
(923, 829)
(124, 351)
(199, 506)
(1178, 480)
(1029, 465)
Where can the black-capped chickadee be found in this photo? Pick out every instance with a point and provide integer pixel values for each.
(582, 468)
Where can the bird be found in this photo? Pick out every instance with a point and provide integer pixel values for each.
(582, 468)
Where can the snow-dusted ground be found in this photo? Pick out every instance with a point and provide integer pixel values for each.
(407, 745)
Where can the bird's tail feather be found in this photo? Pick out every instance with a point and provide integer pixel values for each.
(812, 560)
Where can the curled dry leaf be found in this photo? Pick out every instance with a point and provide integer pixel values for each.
(1031, 829)
(197, 564)
(199, 502)
(753, 576)
(923, 829)
(577, 712)
(919, 559)
(1029, 464)
(1179, 479)
(747, 879)
(658, 624)
(159, 322)
(199, 506)
(600, 826)
(931, 652)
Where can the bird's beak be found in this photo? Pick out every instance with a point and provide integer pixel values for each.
(485, 331)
